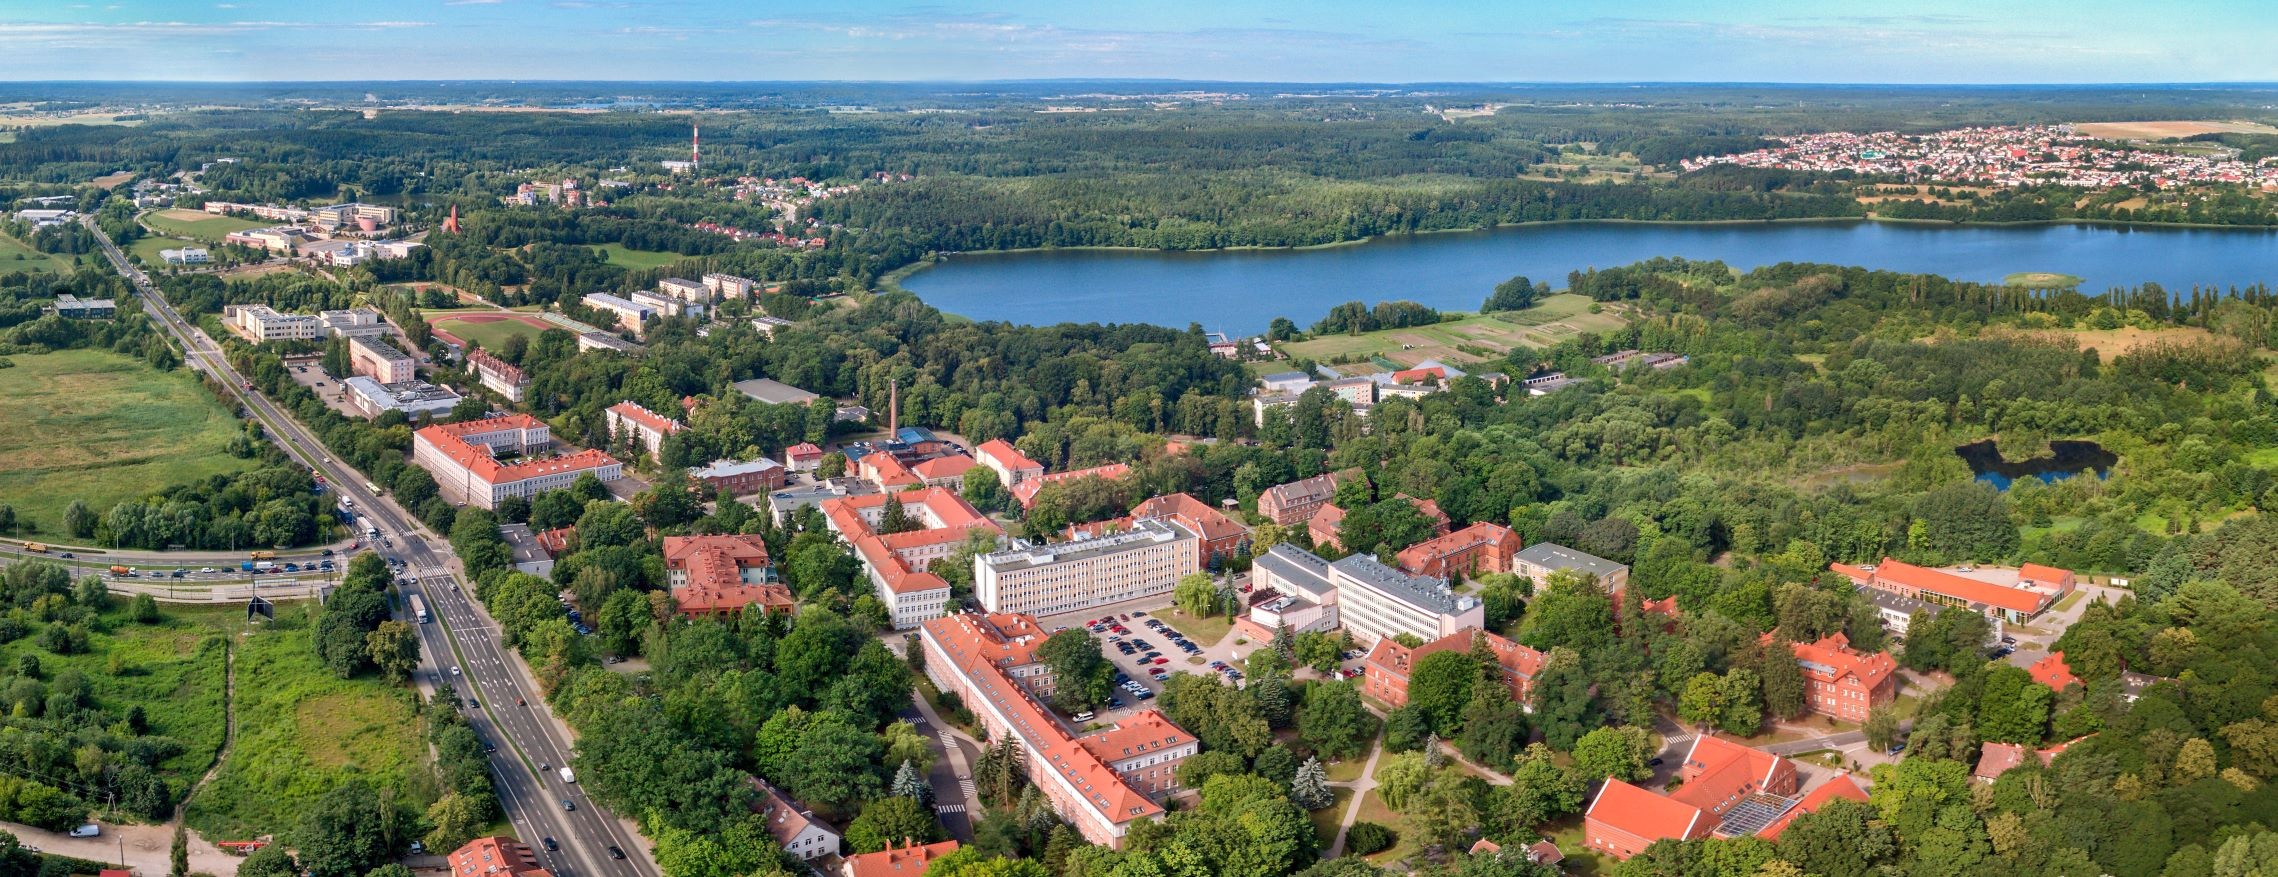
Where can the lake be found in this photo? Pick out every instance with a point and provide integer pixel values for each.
(2065, 459)
(1240, 291)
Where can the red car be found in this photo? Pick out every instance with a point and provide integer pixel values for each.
(1162, 660)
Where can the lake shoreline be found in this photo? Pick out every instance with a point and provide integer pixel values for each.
(891, 281)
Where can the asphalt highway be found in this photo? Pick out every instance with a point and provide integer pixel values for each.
(460, 647)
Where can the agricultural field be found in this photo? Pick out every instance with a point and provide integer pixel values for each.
(1473, 338)
(100, 427)
(639, 259)
(302, 731)
(2160, 130)
(18, 256)
(197, 224)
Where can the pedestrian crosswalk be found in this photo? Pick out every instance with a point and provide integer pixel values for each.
(948, 808)
(967, 787)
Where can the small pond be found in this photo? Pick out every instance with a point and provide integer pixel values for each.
(2065, 460)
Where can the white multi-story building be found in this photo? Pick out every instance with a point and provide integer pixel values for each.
(685, 290)
(353, 322)
(417, 400)
(631, 316)
(502, 378)
(1375, 601)
(728, 285)
(645, 426)
(668, 305)
(263, 324)
(464, 458)
(186, 256)
(1143, 561)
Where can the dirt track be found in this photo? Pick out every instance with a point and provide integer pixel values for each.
(146, 848)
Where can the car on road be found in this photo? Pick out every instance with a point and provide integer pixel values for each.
(88, 830)
(67, 555)
(568, 804)
(616, 853)
(177, 573)
(551, 846)
(454, 669)
(209, 570)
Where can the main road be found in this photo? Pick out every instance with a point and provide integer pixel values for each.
(459, 648)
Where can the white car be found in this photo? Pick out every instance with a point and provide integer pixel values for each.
(454, 671)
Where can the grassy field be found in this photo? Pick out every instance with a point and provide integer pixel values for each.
(1473, 338)
(2041, 280)
(1325, 819)
(301, 731)
(639, 259)
(197, 224)
(18, 256)
(1205, 632)
(489, 334)
(146, 248)
(100, 427)
(172, 669)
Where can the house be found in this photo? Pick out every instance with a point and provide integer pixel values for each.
(495, 856)
(1390, 664)
(2053, 672)
(795, 828)
(1842, 683)
(736, 478)
(1539, 560)
(947, 470)
(907, 860)
(1295, 502)
(802, 457)
(2011, 595)
(722, 575)
(1012, 466)
(1726, 790)
(1480, 548)
(1221, 537)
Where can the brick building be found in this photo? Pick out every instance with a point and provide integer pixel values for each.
(1479, 548)
(1390, 664)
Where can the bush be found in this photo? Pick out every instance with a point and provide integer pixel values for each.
(1366, 838)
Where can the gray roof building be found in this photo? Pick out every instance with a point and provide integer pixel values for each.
(1296, 568)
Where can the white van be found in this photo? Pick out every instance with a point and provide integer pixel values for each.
(1084, 716)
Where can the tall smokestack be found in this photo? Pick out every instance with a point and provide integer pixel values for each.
(893, 407)
(695, 148)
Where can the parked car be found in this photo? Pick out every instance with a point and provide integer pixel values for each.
(88, 830)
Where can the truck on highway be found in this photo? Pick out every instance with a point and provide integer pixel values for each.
(263, 555)
(35, 547)
(256, 566)
(371, 530)
(419, 608)
(122, 570)
(567, 776)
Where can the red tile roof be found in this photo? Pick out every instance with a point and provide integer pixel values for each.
(1007, 456)
(1133, 737)
(802, 451)
(649, 420)
(1717, 770)
(714, 566)
(1995, 759)
(949, 466)
(1840, 787)
(1102, 788)
(2053, 672)
(1834, 653)
(1501, 541)
(1647, 815)
(497, 855)
(1418, 375)
(784, 817)
(1195, 514)
(885, 471)
(951, 512)
(450, 439)
(909, 860)
(482, 362)
(1962, 588)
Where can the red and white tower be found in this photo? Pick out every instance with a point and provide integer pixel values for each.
(695, 148)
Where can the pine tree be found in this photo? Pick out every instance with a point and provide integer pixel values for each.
(1433, 757)
(895, 518)
(179, 854)
(1310, 789)
(908, 783)
(1285, 644)
(1272, 694)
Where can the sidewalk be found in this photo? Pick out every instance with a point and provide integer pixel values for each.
(1360, 788)
(953, 743)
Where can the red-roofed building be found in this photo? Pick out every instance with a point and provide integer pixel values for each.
(1717, 777)
(1842, 787)
(1842, 682)
(554, 542)
(2053, 672)
(884, 470)
(496, 857)
(630, 421)
(1095, 783)
(2010, 595)
(1012, 466)
(795, 828)
(1434, 374)
(1389, 664)
(896, 562)
(496, 374)
(802, 457)
(947, 470)
(1221, 537)
(908, 860)
(1479, 548)
(722, 575)
(1995, 759)
(1328, 521)
(1026, 491)
(463, 457)
(1295, 502)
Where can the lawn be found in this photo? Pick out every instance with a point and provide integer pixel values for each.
(172, 669)
(638, 259)
(1469, 338)
(1580, 861)
(1325, 819)
(490, 333)
(146, 248)
(102, 428)
(1205, 632)
(302, 731)
(1373, 809)
(197, 224)
(18, 256)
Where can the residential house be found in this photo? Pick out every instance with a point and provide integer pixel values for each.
(1539, 560)
(795, 828)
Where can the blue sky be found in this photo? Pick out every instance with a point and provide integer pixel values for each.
(1933, 41)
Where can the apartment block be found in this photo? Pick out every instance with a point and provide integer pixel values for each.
(465, 459)
(1144, 561)
(380, 361)
(1379, 602)
(262, 324)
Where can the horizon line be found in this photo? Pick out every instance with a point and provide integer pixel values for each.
(1629, 83)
